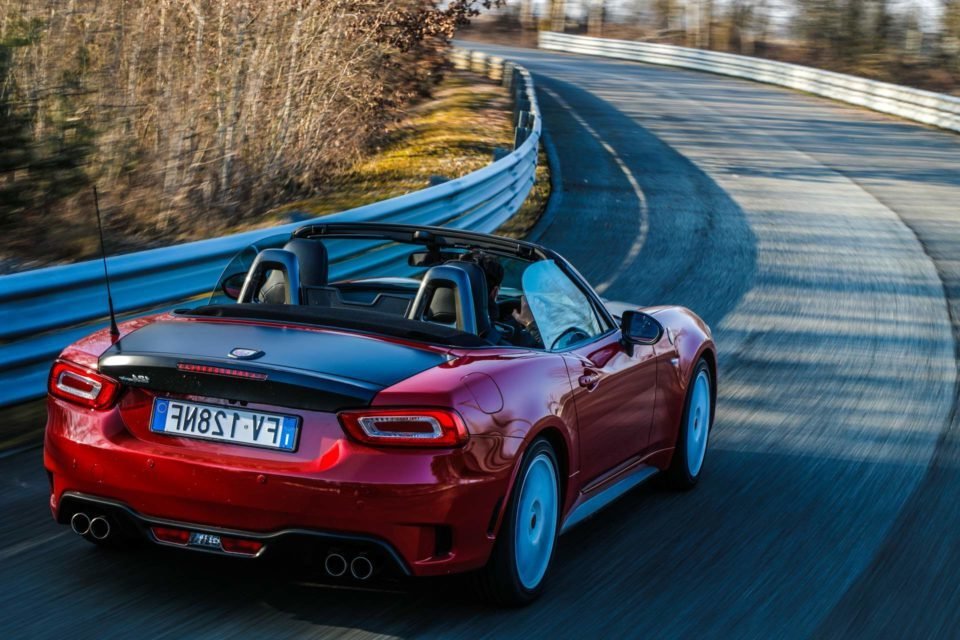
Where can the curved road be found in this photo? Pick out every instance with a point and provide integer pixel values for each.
(821, 242)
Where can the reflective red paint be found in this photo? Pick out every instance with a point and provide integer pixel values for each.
(412, 498)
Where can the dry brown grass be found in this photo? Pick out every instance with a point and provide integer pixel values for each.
(449, 136)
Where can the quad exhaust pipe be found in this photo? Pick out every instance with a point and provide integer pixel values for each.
(336, 565)
(97, 527)
(80, 523)
(361, 568)
(100, 528)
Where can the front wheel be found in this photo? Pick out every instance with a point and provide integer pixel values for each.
(695, 426)
(524, 549)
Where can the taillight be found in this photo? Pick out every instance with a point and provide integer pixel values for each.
(82, 386)
(406, 427)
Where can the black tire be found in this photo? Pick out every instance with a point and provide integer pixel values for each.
(678, 475)
(499, 582)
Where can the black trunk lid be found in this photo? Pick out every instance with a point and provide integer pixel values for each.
(281, 366)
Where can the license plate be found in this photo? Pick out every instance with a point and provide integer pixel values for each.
(208, 540)
(225, 424)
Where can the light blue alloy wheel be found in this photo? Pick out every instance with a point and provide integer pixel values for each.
(536, 527)
(698, 423)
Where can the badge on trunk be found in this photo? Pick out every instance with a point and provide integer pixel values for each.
(245, 354)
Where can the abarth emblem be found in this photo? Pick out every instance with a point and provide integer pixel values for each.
(245, 354)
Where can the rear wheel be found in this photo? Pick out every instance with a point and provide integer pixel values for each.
(695, 426)
(523, 553)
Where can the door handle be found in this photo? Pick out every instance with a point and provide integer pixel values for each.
(589, 380)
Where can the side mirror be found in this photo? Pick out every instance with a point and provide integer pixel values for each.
(233, 285)
(639, 328)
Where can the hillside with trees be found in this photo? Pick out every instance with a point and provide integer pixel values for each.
(193, 116)
(910, 42)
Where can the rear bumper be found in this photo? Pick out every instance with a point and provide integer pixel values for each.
(304, 544)
(429, 512)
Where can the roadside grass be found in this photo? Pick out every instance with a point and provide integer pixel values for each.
(447, 137)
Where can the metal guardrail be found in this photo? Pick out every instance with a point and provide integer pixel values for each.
(44, 310)
(936, 109)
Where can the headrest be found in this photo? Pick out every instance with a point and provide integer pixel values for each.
(443, 306)
(274, 277)
(479, 292)
(470, 286)
(312, 256)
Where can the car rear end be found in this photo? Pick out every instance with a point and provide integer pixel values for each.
(291, 445)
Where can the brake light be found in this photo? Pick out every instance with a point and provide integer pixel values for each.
(405, 427)
(220, 371)
(82, 386)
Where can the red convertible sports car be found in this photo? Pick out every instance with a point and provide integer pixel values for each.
(453, 404)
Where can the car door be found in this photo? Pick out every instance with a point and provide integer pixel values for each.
(613, 391)
(614, 395)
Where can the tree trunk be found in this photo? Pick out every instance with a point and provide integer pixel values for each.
(526, 15)
(595, 18)
(558, 15)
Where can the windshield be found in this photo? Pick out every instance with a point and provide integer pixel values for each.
(231, 279)
(563, 313)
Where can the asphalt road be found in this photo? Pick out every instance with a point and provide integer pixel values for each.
(821, 242)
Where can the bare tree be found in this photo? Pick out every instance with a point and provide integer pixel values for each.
(951, 31)
(595, 16)
(558, 15)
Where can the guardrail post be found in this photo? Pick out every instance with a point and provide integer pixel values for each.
(523, 119)
(522, 105)
(495, 72)
(460, 59)
(519, 136)
(478, 62)
(508, 69)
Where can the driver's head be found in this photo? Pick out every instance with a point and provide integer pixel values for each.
(492, 270)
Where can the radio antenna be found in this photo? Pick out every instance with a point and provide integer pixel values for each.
(114, 329)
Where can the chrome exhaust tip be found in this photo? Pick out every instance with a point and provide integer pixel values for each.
(100, 528)
(361, 568)
(335, 565)
(80, 523)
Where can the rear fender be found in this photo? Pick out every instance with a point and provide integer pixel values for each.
(557, 433)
